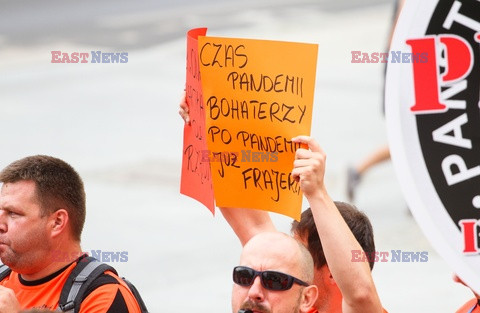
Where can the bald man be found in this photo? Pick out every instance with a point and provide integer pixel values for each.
(347, 287)
(274, 276)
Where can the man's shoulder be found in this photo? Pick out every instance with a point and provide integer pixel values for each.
(101, 285)
(43, 292)
(110, 293)
(103, 292)
(93, 284)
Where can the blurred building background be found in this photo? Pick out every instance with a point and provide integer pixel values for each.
(117, 124)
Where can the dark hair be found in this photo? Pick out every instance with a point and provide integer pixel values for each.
(356, 220)
(58, 186)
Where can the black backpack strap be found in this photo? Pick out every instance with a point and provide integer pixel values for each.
(85, 272)
(136, 294)
(4, 271)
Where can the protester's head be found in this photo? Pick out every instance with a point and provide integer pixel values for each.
(356, 220)
(275, 254)
(306, 232)
(41, 197)
(57, 186)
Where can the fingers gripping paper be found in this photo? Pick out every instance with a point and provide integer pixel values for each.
(257, 95)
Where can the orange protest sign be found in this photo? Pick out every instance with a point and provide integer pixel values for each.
(258, 94)
(196, 180)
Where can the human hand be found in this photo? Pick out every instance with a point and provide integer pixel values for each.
(309, 166)
(8, 301)
(184, 110)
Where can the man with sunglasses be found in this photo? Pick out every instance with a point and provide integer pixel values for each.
(346, 286)
(274, 276)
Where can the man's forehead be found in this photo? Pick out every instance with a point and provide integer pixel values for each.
(279, 255)
(24, 189)
(265, 262)
(19, 185)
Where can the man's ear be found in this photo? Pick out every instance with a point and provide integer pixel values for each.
(309, 297)
(58, 222)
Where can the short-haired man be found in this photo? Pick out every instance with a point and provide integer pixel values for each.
(344, 286)
(274, 276)
(42, 212)
(348, 286)
(330, 296)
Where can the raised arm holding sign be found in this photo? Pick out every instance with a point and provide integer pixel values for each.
(346, 286)
(246, 119)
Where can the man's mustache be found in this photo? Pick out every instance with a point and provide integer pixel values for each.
(249, 306)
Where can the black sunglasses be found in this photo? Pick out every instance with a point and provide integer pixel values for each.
(271, 280)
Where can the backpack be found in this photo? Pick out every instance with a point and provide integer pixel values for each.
(85, 272)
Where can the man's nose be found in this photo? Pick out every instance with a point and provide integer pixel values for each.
(256, 292)
(3, 221)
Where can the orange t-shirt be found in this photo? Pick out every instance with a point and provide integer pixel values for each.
(467, 307)
(44, 293)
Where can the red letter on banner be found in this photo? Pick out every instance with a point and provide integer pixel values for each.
(458, 57)
(469, 230)
(425, 77)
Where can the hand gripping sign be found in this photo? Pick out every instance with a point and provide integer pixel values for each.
(433, 121)
(196, 179)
